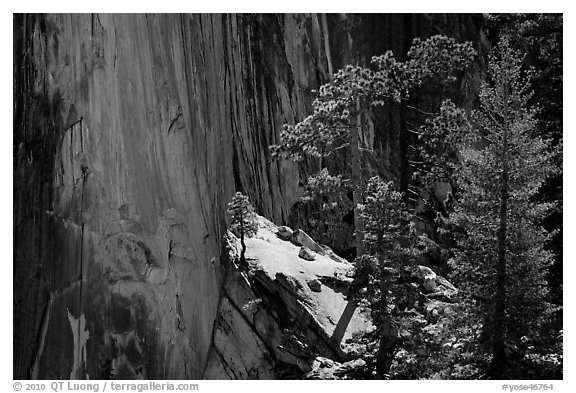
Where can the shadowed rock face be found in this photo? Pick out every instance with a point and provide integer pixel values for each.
(131, 133)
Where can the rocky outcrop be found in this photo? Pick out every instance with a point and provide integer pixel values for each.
(433, 285)
(271, 322)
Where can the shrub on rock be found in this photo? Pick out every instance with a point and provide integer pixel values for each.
(243, 221)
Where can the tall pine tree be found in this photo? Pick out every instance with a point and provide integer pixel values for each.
(384, 269)
(501, 261)
(341, 110)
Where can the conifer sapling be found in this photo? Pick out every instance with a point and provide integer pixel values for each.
(243, 221)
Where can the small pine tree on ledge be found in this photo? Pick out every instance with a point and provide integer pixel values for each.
(242, 221)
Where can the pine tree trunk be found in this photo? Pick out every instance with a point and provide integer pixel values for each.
(388, 336)
(388, 343)
(498, 366)
(356, 180)
(344, 320)
(404, 143)
(243, 252)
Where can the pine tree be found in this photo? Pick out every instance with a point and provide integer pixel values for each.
(540, 37)
(385, 268)
(435, 159)
(501, 261)
(243, 221)
(341, 110)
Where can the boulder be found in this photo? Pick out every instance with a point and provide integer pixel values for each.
(443, 290)
(445, 296)
(301, 238)
(423, 273)
(349, 368)
(429, 284)
(323, 368)
(404, 335)
(444, 284)
(284, 233)
(436, 305)
(315, 285)
(338, 283)
(426, 277)
(330, 254)
(435, 286)
(325, 362)
(306, 253)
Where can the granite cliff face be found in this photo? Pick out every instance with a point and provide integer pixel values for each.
(131, 133)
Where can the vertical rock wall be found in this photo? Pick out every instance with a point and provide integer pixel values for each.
(131, 132)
